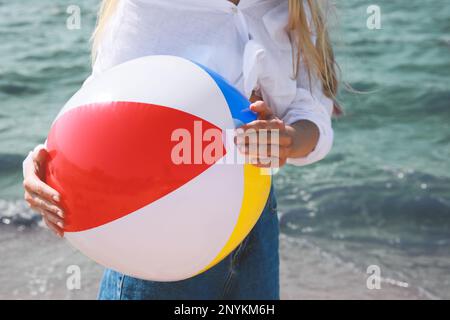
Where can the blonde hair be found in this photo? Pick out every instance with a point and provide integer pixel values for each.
(107, 9)
(317, 58)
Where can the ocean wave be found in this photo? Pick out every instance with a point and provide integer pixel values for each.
(20, 83)
(17, 213)
(399, 103)
(413, 211)
(10, 162)
(18, 89)
(16, 83)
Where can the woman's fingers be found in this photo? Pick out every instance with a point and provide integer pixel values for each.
(256, 150)
(272, 124)
(266, 143)
(264, 137)
(39, 158)
(267, 162)
(39, 195)
(53, 221)
(34, 185)
(53, 218)
(34, 175)
(264, 132)
(53, 226)
(35, 201)
(262, 109)
(273, 163)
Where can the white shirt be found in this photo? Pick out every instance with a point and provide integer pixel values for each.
(246, 44)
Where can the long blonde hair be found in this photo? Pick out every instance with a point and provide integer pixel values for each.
(317, 58)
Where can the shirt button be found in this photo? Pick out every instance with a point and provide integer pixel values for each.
(234, 10)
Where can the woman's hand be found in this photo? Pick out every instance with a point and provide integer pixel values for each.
(269, 142)
(39, 196)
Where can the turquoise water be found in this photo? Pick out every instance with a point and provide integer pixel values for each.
(383, 194)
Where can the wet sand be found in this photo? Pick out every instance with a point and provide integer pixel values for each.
(37, 265)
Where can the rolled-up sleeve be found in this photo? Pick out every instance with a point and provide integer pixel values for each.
(291, 98)
(311, 104)
(317, 110)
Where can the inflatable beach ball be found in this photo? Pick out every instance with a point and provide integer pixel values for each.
(139, 155)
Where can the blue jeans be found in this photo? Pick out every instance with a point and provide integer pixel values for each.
(251, 271)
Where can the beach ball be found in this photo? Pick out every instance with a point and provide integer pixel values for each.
(141, 157)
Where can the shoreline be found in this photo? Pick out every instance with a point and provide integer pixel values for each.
(38, 269)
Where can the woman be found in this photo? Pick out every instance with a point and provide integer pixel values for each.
(278, 53)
